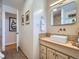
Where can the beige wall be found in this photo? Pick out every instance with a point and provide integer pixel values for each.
(70, 29)
(10, 37)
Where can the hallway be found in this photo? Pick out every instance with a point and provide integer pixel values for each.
(11, 53)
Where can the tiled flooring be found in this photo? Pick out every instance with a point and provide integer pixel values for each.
(11, 53)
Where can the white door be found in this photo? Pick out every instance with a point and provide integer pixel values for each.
(17, 31)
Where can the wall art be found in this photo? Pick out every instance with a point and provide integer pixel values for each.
(12, 24)
(27, 17)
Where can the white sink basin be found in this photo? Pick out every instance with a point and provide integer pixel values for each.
(59, 38)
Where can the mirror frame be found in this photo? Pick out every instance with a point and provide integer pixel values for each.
(51, 14)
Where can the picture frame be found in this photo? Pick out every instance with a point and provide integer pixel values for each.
(27, 17)
(12, 24)
(22, 20)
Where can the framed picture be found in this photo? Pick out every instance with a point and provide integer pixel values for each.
(27, 17)
(22, 20)
(12, 24)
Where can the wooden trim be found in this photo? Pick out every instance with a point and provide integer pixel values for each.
(8, 44)
(11, 45)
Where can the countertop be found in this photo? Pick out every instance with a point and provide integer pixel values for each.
(68, 45)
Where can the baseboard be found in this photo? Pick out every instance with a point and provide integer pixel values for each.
(23, 52)
(10, 43)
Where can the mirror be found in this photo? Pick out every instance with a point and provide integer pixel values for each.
(63, 15)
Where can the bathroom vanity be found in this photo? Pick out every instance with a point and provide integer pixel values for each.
(50, 49)
(61, 14)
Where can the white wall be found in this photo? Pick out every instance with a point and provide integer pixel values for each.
(39, 11)
(29, 42)
(26, 42)
(10, 37)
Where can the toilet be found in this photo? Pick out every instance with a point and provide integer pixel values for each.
(1, 55)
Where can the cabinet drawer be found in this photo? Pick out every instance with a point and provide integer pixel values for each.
(42, 49)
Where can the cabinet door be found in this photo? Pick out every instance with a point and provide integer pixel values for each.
(50, 54)
(61, 56)
(42, 56)
(42, 49)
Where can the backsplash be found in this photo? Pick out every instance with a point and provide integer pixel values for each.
(66, 30)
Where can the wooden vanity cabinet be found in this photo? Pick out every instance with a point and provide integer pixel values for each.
(47, 53)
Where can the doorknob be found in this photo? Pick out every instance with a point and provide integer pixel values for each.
(17, 33)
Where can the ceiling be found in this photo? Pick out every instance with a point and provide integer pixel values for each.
(14, 3)
(51, 1)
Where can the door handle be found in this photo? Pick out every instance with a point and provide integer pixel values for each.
(17, 33)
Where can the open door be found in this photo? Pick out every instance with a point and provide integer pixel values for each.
(17, 31)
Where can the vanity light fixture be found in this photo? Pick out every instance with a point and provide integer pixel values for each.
(59, 1)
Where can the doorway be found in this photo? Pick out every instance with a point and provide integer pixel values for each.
(10, 29)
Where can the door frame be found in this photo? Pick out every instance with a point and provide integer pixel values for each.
(14, 11)
(17, 31)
